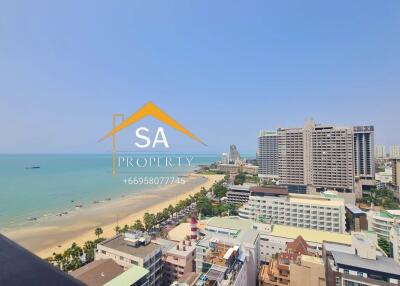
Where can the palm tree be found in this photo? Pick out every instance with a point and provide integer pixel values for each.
(98, 231)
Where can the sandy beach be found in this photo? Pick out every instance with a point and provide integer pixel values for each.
(58, 233)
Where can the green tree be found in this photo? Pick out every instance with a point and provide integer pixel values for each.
(117, 229)
(98, 231)
(385, 246)
(239, 179)
(171, 210)
(220, 191)
(204, 206)
(88, 250)
(138, 225)
(149, 221)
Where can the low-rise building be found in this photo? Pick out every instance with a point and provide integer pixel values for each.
(324, 212)
(98, 272)
(134, 276)
(309, 270)
(133, 248)
(274, 239)
(228, 253)
(229, 168)
(179, 260)
(239, 194)
(357, 219)
(359, 265)
(395, 242)
(238, 167)
(277, 272)
(382, 222)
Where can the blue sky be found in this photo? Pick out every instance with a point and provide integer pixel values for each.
(224, 69)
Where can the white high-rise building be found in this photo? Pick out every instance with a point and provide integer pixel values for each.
(316, 157)
(395, 151)
(380, 151)
(225, 158)
(268, 154)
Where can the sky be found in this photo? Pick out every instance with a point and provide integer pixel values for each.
(224, 69)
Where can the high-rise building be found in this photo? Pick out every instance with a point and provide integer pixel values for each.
(268, 154)
(395, 151)
(225, 158)
(380, 151)
(364, 160)
(316, 157)
(364, 166)
(291, 158)
(233, 154)
(396, 172)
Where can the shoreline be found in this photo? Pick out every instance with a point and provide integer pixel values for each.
(58, 233)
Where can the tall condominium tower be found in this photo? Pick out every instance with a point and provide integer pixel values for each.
(396, 172)
(233, 153)
(364, 166)
(364, 160)
(380, 151)
(268, 154)
(395, 151)
(225, 158)
(291, 164)
(316, 158)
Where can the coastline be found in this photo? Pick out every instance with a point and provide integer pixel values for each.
(58, 233)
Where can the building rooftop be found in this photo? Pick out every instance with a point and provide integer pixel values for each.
(389, 214)
(184, 249)
(165, 244)
(129, 277)
(354, 210)
(244, 187)
(381, 264)
(230, 222)
(269, 191)
(316, 200)
(98, 272)
(119, 243)
(180, 232)
(310, 235)
(311, 259)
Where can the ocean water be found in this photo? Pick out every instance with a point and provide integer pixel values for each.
(63, 181)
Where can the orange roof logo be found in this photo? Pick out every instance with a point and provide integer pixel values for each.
(150, 109)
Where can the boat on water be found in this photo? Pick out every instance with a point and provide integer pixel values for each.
(78, 206)
(32, 167)
(32, 218)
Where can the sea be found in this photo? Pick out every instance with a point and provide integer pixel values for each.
(33, 186)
